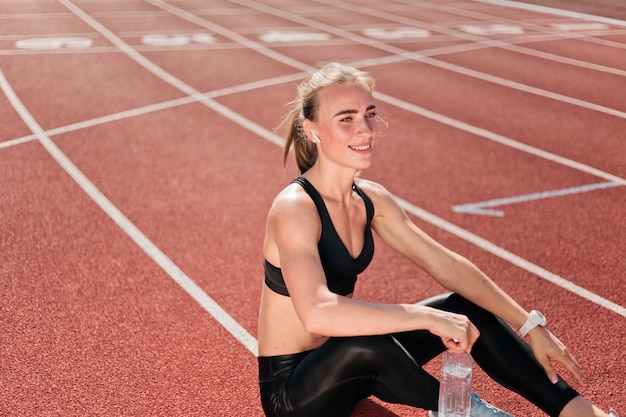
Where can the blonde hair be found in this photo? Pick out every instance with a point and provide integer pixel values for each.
(306, 104)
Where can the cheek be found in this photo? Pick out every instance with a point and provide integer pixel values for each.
(341, 134)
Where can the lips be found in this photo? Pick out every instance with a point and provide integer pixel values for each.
(361, 148)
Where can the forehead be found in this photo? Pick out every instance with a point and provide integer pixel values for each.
(342, 97)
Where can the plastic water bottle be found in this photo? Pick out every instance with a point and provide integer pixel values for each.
(456, 385)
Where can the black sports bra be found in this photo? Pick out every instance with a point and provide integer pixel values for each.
(340, 267)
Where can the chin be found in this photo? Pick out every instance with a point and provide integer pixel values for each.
(363, 166)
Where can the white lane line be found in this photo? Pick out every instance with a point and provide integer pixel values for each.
(483, 207)
(512, 258)
(128, 227)
(205, 301)
(166, 76)
(273, 138)
(17, 141)
(151, 108)
(446, 226)
(383, 97)
(479, 42)
(152, 250)
(477, 131)
(554, 11)
(418, 57)
(589, 37)
(266, 134)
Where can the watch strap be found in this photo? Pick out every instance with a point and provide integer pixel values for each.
(535, 319)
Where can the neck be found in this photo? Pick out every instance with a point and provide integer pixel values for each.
(332, 184)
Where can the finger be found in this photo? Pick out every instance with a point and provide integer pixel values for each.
(547, 366)
(455, 345)
(572, 366)
(474, 334)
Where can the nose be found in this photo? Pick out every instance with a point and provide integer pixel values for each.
(367, 127)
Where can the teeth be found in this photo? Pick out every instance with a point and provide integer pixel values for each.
(361, 148)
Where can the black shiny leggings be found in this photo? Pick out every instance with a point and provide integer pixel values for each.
(330, 380)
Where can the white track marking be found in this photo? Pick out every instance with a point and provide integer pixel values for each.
(383, 97)
(152, 250)
(161, 106)
(427, 60)
(242, 40)
(497, 138)
(17, 141)
(503, 140)
(490, 135)
(128, 227)
(197, 293)
(481, 42)
(482, 207)
(51, 43)
(553, 11)
(511, 257)
(277, 36)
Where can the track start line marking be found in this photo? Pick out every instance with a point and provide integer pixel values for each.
(483, 207)
(400, 33)
(572, 27)
(493, 29)
(177, 40)
(275, 36)
(53, 43)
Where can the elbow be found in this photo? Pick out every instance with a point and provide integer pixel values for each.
(313, 326)
(317, 319)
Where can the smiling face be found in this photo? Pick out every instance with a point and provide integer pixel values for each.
(346, 125)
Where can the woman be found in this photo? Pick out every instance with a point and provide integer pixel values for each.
(320, 350)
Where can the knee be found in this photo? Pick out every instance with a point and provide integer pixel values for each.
(437, 301)
(458, 304)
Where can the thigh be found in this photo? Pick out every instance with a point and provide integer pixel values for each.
(333, 378)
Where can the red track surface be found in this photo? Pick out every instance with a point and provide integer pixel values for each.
(93, 320)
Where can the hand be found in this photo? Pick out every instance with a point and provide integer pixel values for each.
(456, 331)
(547, 348)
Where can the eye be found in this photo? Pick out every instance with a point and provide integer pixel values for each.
(346, 119)
(371, 115)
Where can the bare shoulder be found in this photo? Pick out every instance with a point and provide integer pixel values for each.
(384, 202)
(291, 202)
(373, 189)
(292, 222)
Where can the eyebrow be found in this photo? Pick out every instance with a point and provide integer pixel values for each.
(370, 107)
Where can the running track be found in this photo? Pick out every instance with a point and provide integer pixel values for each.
(137, 163)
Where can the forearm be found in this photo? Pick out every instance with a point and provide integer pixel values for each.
(348, 317)
(344, 316)
(470, 282)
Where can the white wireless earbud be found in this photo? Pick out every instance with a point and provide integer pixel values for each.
(316, 139)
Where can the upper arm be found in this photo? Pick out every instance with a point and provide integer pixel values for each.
(293, 232)
(397, 230)
(450, 269)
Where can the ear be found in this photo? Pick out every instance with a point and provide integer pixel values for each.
(309, 130)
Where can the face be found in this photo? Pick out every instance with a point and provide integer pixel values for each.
(346, 125)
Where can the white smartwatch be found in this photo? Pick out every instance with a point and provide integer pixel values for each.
(535, 319)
